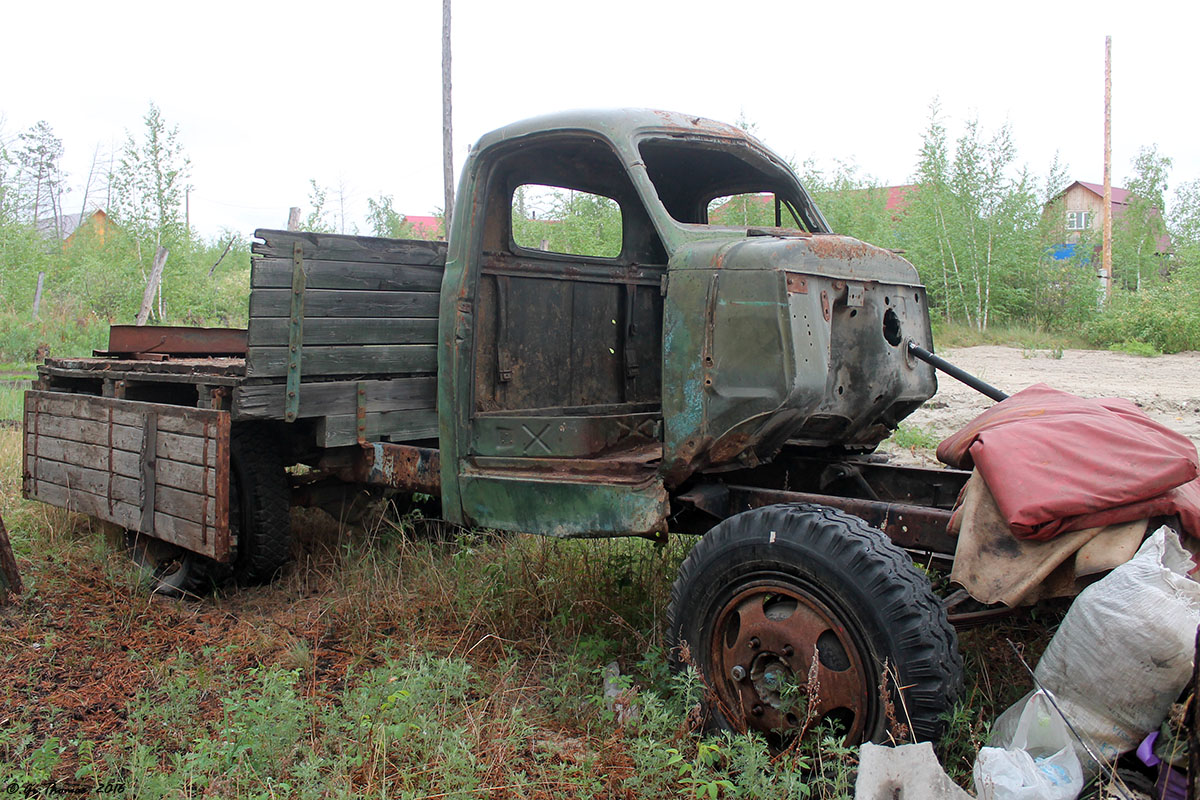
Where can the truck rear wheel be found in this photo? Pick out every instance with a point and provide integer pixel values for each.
(259, 506)
(790, 614)
(170, 570)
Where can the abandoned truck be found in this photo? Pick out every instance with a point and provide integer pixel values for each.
(703, 377)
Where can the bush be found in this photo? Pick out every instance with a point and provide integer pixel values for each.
(1164, 319)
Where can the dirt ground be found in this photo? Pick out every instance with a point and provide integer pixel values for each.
(1166, 387)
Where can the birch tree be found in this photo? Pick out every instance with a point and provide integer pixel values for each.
(149, 183)
(38, 155)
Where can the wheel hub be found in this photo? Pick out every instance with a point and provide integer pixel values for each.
(786, 662)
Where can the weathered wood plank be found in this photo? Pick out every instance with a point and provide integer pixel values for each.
(178, 475)
(265, 401)
(172, 419)
(176, 502)
(334, 247)
(276, 273)
(55, 377)
(273, 331)
(365, 360)
(195, 370)
(397, 426)
(173, 446)
(182, 532)
(343, 303)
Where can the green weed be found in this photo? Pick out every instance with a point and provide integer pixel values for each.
(1135, 348)
(914, 437)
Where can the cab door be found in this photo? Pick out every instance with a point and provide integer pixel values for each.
(564, 434)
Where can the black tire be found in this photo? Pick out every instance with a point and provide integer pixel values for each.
(259, 506)
(763, 588)
(170, 570)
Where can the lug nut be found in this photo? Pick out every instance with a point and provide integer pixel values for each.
(755, 643)
(738, 673)
(756, 710)
(788, 651)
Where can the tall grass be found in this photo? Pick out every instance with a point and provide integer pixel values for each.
(400, 659)
(949, 335)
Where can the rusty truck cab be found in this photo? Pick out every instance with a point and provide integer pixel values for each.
(578, 391)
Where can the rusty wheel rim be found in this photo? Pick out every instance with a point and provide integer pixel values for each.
(771, 645)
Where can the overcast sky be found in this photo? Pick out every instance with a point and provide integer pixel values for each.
(268, 95)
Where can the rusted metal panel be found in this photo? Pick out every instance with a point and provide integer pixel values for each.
(395, 466)
(558, 435)
(159, 469)
(176, 341)
(564, 506)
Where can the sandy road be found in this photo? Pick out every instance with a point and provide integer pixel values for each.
(1167, 387)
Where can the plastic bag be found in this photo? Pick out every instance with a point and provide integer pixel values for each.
(1123, 652)
(1039, 764)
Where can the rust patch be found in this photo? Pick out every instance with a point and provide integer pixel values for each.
(728, 448)
(797, 284)
(171, 340)
(397, 466)
(841, 248)
(685, 122)
(826, 309)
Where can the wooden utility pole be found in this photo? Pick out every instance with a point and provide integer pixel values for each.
(160, 261)
(1106, 267)
(294, 218)
(447, 135)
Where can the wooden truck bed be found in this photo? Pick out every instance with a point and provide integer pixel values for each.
(360, 312)
(341, 349)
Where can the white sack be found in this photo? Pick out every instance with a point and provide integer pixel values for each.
(1039, 763)
(1123, 652)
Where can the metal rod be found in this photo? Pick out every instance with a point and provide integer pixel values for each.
(954, 372)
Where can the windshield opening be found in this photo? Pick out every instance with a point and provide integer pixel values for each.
(728, 183)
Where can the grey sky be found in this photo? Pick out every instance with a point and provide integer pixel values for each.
(268, 95)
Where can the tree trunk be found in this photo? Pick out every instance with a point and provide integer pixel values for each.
(37, 295)
(10, 578)
(160, 261)
(294, 218)
(447, 131)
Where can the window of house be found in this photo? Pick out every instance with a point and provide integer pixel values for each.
(1079, 220)
(568, 221)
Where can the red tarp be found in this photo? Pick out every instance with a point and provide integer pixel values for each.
(1056, 462)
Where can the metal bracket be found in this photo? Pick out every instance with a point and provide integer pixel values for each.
(361, 412)
(149, 470)
(631, 365)
(291, 407)
(854, 295)
(503, 362)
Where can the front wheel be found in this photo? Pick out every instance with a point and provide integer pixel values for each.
(790, 614)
